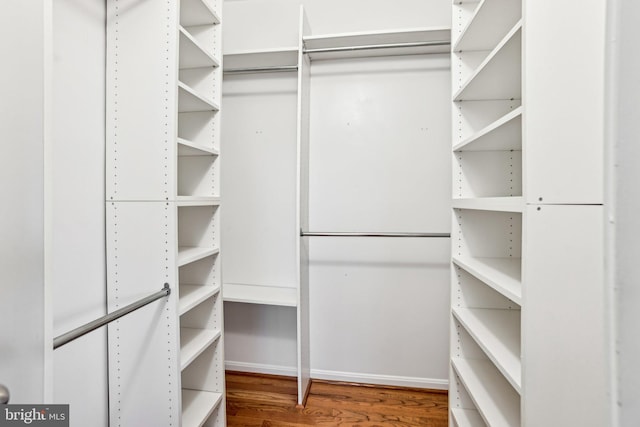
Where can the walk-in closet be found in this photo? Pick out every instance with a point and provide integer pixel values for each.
(368, 197)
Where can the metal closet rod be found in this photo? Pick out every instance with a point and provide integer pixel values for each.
(370, 234)
(250, 70)
(377, 46)
(63, 339)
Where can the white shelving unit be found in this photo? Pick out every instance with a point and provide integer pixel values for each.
(488, 206)
(163, 204)
(269, 159)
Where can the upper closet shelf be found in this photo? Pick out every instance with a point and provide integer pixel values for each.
(192, 295)
(268, 58)
(491, 20)
(193, 54)
(501, 274)
(189, 101)
(497, 204)
(197, 12)
(189, 254)
(190, 148)
(197, 201)
(503, 134)
(386, 43)
(499, 75)
(256, 294)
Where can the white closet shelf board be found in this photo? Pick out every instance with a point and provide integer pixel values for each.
(257, 294)
(197, 12)
(197, 406)
(501, 204)
(501, 274)
(192, 295)
(418, 35)
(189, 254)
(497, 332)
(497, 402)
(284, 56)
(188, 148)
(193, 54)
(197, 201)
(503, 134)
(193, 342)
(490, 22)
(190, 101)
(499, 75)
(467, 418)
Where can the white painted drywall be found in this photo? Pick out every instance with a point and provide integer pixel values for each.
(380, 161)
(78, 223)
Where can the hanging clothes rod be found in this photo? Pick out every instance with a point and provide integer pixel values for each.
(377, 46)
(250, 70)
(370, 234)
(63, 339)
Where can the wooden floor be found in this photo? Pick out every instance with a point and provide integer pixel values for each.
(254, 400)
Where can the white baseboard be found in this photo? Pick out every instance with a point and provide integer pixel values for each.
(353, 377)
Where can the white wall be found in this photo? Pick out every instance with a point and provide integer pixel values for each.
(78, 223)
(380, 161)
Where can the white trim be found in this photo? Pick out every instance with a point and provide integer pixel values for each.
(352, 377)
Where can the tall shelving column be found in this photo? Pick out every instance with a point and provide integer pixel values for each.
(486, 298)
(163, 200)
(200, 303)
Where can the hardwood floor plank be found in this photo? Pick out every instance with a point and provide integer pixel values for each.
(259, 400)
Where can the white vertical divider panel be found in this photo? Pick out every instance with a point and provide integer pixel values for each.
(563, 85)
(302, 217)
(144, 377)
(26, 347)
(141, 220)
(564, 356)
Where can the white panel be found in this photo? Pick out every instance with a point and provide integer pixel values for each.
(564, 102)
(623, 203)
(78, 214)
(143, 387)
(382, 294)
(380, 151)
(302, 220)
(142, 40)
(259, 180)
(25, 343)
(564, 311)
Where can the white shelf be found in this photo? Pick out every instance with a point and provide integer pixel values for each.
(189, 101)
(193, 342)
(503, 134)
(467, 418)
(256, 294)
(499, 75)
(497, 332)
(197, 12)
(192, 295)
(197, 406)
(497, 402)
(284, 56)
(379, 38)
(501, 274)
(193, 54)
(498, 204)
(188, 148)
(489, 23)
(197, 201)
(189, 254)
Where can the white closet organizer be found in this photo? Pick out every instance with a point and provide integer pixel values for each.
(267, 210)
(486, 294)
(166, 364)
